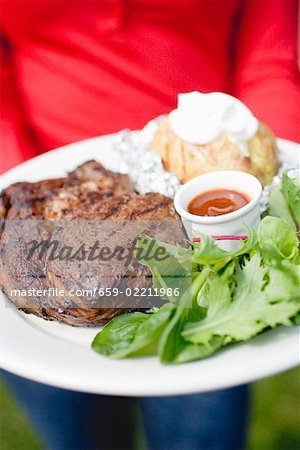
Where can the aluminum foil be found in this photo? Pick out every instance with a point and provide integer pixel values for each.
(275, 182)
(146, 169)
(144, 166)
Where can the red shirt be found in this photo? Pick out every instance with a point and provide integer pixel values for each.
(75, 69)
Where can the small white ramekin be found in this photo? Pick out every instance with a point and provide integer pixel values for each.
(227, 224)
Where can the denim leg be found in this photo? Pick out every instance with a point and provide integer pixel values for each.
(210, 421)
(68, 420)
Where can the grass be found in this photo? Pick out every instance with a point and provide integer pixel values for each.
(274, 420)
(15, 431)
(275, 413)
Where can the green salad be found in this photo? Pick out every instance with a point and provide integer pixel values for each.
(225, 297)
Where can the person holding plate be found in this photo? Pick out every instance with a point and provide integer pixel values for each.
(75, 69)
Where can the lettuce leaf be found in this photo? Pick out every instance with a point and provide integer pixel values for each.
(250, 309)
(132, 334)
(279, 207)
(277, 239)
(290, 188)
(224, 297)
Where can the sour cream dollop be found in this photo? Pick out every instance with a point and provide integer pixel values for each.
(203, 118)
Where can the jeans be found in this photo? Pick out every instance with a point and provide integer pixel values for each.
(67, 420)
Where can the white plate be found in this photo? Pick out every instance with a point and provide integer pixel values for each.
(60, 355)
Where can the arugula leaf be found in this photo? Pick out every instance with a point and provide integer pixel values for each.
(249, 245)
(291, 191)
(207, 252)
(169, 272)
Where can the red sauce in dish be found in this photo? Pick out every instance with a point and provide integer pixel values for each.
(217, 202)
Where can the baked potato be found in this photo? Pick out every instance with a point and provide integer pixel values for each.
(190, 160)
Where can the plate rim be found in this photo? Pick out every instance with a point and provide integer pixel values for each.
(15, 364)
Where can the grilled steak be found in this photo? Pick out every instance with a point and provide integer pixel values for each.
(49, 199)
(90, 204)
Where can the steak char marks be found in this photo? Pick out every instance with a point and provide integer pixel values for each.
(90, 204)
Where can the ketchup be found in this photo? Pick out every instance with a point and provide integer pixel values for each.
(217, 202)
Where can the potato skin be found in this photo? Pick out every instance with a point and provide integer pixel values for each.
(188, 161)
